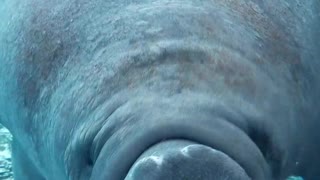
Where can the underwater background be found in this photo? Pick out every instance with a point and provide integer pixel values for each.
(5, 154)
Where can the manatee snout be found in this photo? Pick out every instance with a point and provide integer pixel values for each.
(183, 160)
(176, 141)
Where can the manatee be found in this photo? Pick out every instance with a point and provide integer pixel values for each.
(161, 89)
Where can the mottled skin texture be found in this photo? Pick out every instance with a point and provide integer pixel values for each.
(87, 86)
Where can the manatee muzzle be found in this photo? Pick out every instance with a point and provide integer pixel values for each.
(183, 160)
(158, 143)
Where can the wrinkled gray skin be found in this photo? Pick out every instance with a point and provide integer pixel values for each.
(161, 89)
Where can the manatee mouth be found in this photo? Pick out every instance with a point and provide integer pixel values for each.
(180, 149)
(180, 159)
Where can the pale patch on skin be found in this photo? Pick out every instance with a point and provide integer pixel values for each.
(158, 160)
(186, 150)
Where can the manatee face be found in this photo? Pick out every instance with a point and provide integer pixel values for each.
(161, 89)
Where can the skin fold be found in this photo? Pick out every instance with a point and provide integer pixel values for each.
(153, 89)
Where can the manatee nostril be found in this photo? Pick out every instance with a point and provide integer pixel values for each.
(180, 159)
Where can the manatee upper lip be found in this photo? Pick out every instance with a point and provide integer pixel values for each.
(147, 126)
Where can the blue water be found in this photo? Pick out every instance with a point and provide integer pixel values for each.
(5, 154)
